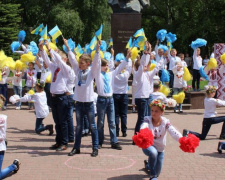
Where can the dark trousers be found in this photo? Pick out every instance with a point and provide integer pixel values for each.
(48, 94)
(171, 78)
(196, 77)
(60, 112)
(121, 107)
(142, 104)
(206, 125)
(3, 91)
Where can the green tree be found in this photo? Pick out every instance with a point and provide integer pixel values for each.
(9, 24)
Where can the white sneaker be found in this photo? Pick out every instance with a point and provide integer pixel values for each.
(4, 107)
(18, 108)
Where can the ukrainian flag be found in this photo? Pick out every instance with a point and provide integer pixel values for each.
(110, 42)
(37, 30)
(141, 42)
(99, 33)
(129, 44)
(78, 50)
(93, 43)
(139, 32)
(55, 32)
(44, 33)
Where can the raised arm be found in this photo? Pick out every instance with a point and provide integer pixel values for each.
(96, 64)
(44, 55)
(173, 131)
(72, 58)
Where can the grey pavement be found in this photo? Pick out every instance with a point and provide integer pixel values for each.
(40, 163)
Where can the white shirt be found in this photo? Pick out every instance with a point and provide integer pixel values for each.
(173, 60)
(183, 63)
(44, 74)
(85, 91)
(31, 77)
(197, 60)
(210, 106)
(17, 78)
(58, 82)
(100, 78)
(40, 103)
(178, 78)
(40, 60)
(145, 79)
(159, 58)
(3, 126)
(160, 132)
(5, 74)
(160, 96)
(121, 80)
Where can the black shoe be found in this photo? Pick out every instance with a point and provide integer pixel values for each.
(62, 148)
(17, 163)
(176, 111)
(6, 142)
(94, 153)
(133, 143)
(117, 134)
(124, 134)
(222, 136)
(74, 151)
(145, 164)
(185, 132)
(54, 146)
(219, 148)
(116, 146)
(100, 146)
(181, 111)
(50, 128)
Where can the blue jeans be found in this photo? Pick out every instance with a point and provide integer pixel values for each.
(70, 118)
(142, 105)
(3, 91)
(86, 125)
(206, 125)
(5, 172)
(121, 107)
(155, 160)
(48, 94)
(60, 113)
(39, 127)
(149, 101)
(18, 91)
(223, 145)
(106, 106)
(82, 109)
(176, 91)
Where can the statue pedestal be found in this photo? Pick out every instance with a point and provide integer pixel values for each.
(123, 26)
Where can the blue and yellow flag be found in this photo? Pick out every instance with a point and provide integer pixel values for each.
(110, 43)
(129, 43)
(44, 33)
(93, 43)
(37, 30)
(139, 32)
(78, 50)
(140, 42)
(55, 32)
(99, 33)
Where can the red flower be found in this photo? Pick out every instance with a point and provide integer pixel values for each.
(144, 138)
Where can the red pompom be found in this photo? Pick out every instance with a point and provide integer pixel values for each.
(189, 144)
(144, 138)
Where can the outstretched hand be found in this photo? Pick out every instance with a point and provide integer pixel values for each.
(66, 43)
(98, 46)
(40, 45)
(128, 54)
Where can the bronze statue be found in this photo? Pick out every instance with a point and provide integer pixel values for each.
(128, 6)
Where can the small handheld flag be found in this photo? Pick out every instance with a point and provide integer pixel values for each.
(99, 33)
(93, 43)
(44, 33)
(79, 51)
(129, 44)
(110, 43)
(55, 32)
(139, 32)
(38, 29)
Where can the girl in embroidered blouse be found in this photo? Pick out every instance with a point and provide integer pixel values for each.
(159, 126)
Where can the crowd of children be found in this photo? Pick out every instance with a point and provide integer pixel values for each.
(64, 84)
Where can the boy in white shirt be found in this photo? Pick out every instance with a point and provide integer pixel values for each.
(84, 97)
(178, 83)
(105, 103)
(17, 85)
(120, 97)
(41, 108)
(3, 84)
(197, 59)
